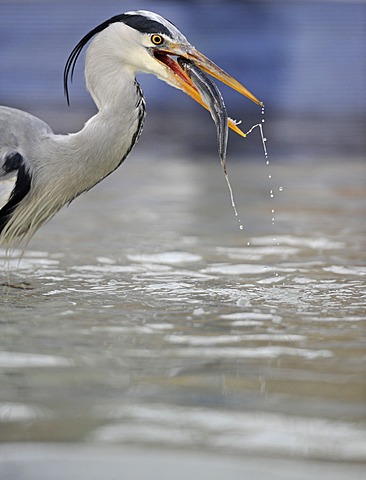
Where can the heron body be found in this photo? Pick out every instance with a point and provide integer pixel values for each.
(41, 171)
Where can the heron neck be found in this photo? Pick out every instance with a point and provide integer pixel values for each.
(119, 99)
(107, 138)
(109, 80)
(117, 95)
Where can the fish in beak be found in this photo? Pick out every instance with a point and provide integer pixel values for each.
(184, 74)
(213, 100)
(188, 73)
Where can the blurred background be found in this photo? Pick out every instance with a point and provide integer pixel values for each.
(306, 60)
(143, 316)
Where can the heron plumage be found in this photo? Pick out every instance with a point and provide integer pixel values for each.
(56, 175)
(41, 171)
(61, 167)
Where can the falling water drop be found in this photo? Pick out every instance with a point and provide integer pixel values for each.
(232, 199)
(260, 126)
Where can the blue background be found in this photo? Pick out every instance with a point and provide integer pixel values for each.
(305, 59)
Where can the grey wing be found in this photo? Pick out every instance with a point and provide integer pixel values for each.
(19, 133)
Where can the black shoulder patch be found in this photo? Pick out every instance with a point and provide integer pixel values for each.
(21, 188)
(12, 162)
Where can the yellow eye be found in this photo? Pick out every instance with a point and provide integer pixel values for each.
(157, 39)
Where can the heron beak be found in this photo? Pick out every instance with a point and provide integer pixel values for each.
(212, 69)
(177, 77)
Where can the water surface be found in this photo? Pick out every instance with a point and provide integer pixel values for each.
(141, 322)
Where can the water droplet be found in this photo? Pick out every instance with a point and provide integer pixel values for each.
(267, 162)
(248, 244)
(272, 210)
(280, 189)
(233, 204)
(269, 176)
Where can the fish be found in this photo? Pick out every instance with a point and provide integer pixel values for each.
(212, 98)
(214, 101)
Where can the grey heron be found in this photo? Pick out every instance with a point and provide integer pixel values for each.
(41, 171)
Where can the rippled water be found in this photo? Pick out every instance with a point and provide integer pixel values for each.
(142, 318)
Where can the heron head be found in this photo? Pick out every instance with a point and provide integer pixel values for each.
(152, 44)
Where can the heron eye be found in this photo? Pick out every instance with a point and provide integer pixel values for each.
(157, 39)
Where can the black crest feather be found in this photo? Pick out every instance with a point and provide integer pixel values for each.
(74, 55)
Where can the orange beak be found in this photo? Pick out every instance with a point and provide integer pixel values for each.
(179, 78)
